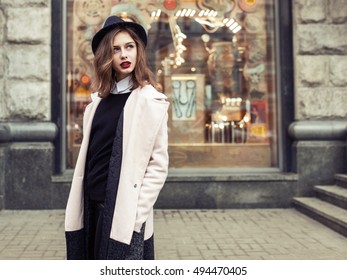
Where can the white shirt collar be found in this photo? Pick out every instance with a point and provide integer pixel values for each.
(123, 86)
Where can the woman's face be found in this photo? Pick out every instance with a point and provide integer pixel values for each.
(124, 55)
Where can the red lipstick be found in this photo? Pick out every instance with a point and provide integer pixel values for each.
(125, 64)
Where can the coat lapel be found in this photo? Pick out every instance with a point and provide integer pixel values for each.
(144, 113)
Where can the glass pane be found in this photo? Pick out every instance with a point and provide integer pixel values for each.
(215, 62)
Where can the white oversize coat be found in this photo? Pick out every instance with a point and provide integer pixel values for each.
(144, 165)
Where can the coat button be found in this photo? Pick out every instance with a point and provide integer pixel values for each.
(135, 185)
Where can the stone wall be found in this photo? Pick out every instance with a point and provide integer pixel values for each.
(26, 133)
(320, 59)
(320, 54)
(25, 37)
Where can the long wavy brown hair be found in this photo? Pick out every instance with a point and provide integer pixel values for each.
(104, 74)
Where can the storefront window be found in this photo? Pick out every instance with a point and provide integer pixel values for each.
(215, 61)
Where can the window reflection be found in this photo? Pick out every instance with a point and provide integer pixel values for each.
(215, 62)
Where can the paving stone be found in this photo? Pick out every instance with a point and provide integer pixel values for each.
(248, 234)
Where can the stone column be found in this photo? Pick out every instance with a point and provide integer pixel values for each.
(320, 58)
(26, 133)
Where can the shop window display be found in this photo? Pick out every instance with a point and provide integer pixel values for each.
(215, 62)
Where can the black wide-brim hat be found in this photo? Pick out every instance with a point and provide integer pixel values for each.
(115, 22)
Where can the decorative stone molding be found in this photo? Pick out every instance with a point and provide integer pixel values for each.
(27, 132)
(318, 130)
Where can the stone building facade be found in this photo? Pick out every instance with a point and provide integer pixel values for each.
(320, 49)
(320, 59)
(25, 106)
(315, 132)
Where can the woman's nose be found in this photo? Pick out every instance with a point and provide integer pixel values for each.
(123, 54)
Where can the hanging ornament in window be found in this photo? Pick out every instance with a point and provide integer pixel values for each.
(170, 4)
(249, 6)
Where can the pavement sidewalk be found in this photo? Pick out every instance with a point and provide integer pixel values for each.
(237, 234)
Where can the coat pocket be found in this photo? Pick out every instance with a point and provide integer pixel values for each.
(121, 251)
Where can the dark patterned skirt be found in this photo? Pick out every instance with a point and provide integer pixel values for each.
(139, 249)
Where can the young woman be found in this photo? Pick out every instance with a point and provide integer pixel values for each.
(123, 159)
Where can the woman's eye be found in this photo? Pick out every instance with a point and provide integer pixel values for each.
(130, 46)
(116, 50)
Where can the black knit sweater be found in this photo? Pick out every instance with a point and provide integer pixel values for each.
(100, 144)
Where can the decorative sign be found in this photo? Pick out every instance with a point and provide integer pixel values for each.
(184, 99)
(186, 94)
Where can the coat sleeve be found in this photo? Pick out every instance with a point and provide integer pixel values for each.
(155, 175)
